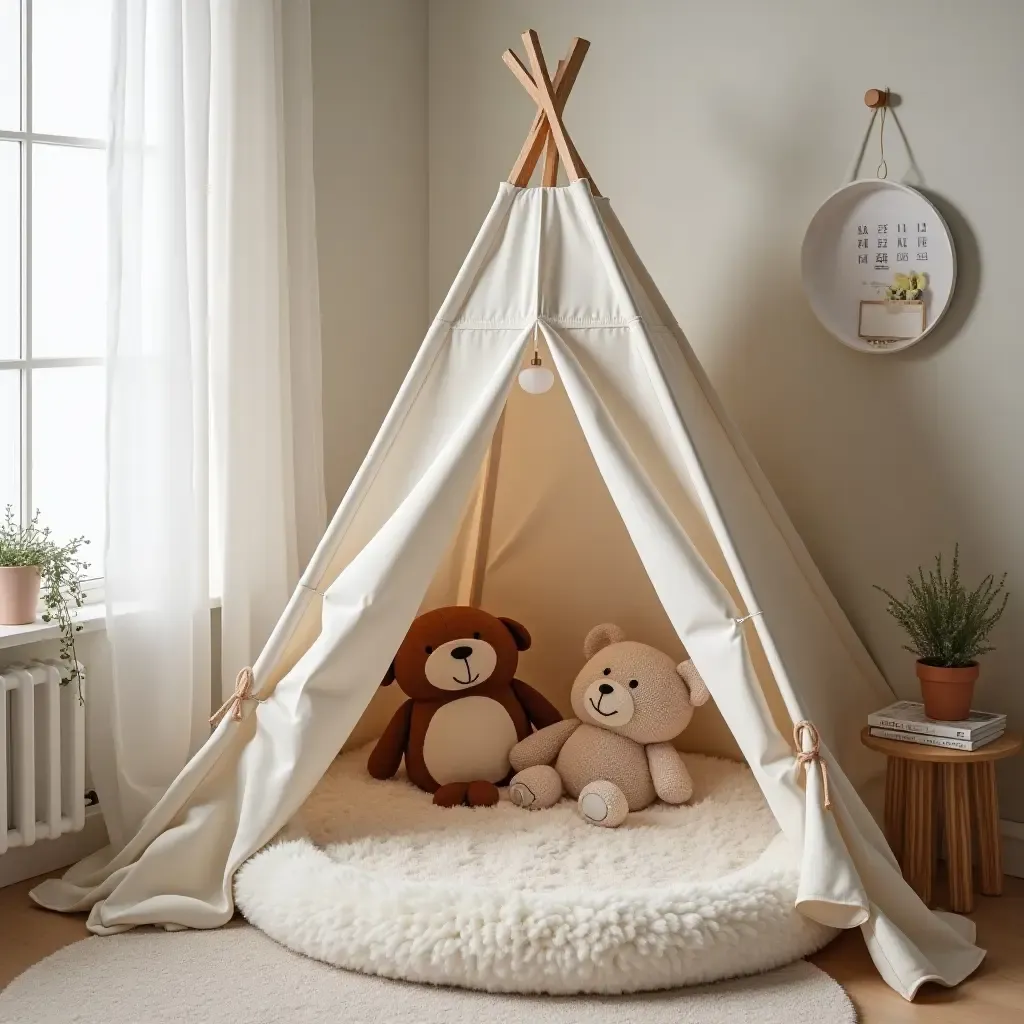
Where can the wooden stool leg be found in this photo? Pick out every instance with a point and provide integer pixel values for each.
(895, 804)
(957, 814)
(919, 836)
(986, 816)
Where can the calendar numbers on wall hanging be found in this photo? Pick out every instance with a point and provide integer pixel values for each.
(877, 236)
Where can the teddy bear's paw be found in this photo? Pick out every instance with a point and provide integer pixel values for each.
(676, 791)
(451, 795)
(481, 794)
(536, 788)
(603, 803)
(521, 795)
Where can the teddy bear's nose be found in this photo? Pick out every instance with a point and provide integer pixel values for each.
(606, 688)
(462, 653)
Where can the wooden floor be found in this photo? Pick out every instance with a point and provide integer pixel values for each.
(27, 934)
(994, 994)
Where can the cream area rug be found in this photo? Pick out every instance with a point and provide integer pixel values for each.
(236, 975)
(371, 876)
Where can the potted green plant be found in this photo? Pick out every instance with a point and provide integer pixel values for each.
(31, 561)
(948, 627)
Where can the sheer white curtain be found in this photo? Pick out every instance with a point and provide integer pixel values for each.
(214, 428)
(265, 325)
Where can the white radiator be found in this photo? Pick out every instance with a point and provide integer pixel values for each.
(42, 755)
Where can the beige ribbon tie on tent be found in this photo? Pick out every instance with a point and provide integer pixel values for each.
(244, 683)
(813, 755)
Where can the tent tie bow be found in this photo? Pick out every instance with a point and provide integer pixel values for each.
(746, 618)
(244, 683)
(812, 755)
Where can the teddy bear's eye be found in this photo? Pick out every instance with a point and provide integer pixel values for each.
(607, 671)
(476, 636)
(633, 684)
(430, 650)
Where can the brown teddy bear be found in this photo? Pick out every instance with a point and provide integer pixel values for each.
(466, 710)
(616, 756)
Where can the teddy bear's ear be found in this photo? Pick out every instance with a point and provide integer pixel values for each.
(519, 632)
(601, 637)
(389, 676)
(699, 693)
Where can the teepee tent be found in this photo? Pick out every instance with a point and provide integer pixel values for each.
(623, 493)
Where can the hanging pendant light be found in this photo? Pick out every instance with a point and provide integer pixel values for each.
(535, 379)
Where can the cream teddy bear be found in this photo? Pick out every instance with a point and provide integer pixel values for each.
(616, 756)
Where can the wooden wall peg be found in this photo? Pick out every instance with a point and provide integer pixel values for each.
(876, 98)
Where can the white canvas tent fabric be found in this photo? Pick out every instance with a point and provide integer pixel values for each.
(712, 539)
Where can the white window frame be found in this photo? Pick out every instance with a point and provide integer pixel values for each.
(28, 362)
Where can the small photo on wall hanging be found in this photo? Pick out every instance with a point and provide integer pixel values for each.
(877, 262)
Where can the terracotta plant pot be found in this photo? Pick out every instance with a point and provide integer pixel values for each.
(947, 692)
(19, 594)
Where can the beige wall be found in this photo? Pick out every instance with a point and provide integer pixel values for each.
(716, 129)
(369, 147)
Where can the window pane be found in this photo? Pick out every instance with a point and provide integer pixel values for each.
(10, 439)
(67, 454)
(10, 65)
(70, 72)
(68, 251)
(10, 249)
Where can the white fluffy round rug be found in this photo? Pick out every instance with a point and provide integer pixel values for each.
(371, 876)
(235, 975)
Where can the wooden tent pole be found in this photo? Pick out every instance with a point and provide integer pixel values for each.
(474, 567)
(549, 176)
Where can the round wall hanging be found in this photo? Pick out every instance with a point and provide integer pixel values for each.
(878, 265)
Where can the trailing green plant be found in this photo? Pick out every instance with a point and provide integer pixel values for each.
(61, 573)
(947, 624)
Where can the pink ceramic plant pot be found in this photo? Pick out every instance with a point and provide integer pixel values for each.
(19, 594)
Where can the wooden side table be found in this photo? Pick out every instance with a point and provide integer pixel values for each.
(932, 789)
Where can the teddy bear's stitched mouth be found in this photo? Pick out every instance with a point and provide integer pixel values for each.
(597, 708)
(467, 682)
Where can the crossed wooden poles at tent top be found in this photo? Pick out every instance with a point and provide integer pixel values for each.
(547, 129)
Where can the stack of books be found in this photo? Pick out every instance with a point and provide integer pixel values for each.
(906, 721)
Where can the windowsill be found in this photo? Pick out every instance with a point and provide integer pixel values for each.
(91, 617)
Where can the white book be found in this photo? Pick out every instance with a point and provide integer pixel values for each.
(909, 716)
(902, 736)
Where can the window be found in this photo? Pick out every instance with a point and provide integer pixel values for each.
(54, 67)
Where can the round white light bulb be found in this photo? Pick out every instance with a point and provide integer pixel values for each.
(535, 380)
